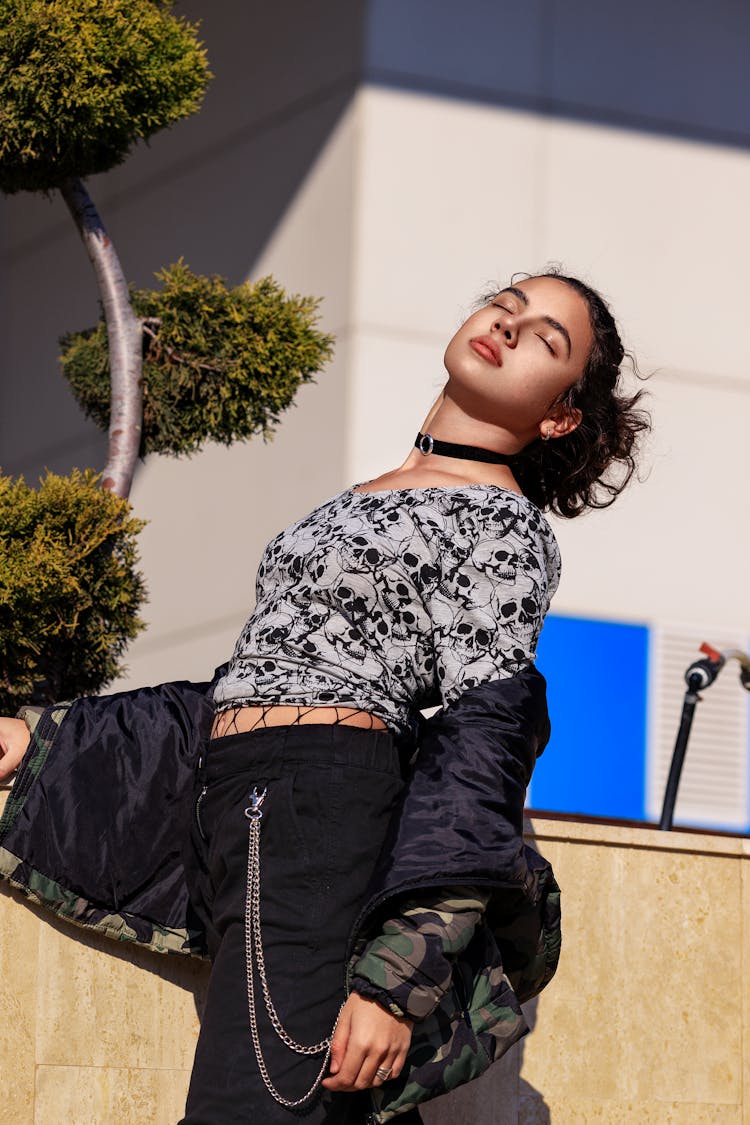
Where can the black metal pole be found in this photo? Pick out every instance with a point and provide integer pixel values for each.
(678, 754)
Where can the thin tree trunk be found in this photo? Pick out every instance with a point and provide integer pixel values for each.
(124, 334)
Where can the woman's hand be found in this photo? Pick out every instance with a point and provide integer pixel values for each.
(14, 742)
(367, 1038)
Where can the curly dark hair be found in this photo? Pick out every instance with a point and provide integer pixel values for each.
(590, 466)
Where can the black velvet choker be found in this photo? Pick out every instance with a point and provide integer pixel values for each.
(426, 443)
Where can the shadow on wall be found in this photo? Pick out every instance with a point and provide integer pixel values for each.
(667, 68)
(532, 1108)
(88, 1001)
(212, 190)
(190, 974)
(501, 1096)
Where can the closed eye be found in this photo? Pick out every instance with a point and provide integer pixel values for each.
(503, 307)
(547, 345)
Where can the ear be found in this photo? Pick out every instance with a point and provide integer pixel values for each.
(560, 425)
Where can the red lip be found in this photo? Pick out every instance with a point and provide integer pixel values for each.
(488, 349)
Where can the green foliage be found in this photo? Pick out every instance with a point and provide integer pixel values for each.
(69, 593)
(82, 80)
(221, 364)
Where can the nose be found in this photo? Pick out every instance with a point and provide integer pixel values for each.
(507, 330)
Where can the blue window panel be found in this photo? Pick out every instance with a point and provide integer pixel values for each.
(597, 677)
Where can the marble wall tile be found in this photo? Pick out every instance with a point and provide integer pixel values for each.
(648, 999)
(102, 1004)
(644, 1022)
(532, 1111)
(19, 940)
(83, 1095)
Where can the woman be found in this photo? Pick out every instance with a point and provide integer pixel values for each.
(426, 585)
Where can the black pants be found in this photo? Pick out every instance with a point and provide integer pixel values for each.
(330, 791)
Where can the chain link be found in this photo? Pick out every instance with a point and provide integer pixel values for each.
(254, 958)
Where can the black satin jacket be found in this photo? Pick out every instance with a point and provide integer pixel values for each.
(95, 824)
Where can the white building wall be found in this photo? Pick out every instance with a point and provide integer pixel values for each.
(211, 516)
(258, 181)
(498, 145)
(453, 195)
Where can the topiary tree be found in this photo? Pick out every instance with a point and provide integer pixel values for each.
(219, 363)
(82, 82)
(69, 591)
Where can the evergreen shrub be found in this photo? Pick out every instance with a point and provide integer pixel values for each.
(220, 363)
(82, 80)
(69, 591)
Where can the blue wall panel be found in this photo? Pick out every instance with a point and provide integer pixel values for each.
(597, 678)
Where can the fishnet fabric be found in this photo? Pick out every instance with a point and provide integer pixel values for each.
(227, 721)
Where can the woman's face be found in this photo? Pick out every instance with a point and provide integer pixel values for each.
(511, 360)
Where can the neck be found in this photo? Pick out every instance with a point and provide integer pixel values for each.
(446, 421)
(449, 422)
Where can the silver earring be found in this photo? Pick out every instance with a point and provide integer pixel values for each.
(548, 433)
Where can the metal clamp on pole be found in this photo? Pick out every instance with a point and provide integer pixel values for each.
(699, 676)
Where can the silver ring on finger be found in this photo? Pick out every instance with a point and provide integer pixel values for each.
(383, 1072)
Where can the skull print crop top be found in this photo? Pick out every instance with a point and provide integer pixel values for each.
(396, 601)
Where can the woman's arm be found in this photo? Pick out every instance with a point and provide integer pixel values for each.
(401, 977)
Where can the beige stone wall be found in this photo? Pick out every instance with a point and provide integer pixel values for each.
(647, 1021)
(90, 1031)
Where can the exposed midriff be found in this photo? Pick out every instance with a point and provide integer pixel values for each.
(237, 720)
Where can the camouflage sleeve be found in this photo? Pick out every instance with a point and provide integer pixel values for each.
(31, 716)
(407, 968)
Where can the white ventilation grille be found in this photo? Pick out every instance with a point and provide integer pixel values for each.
(714, 784)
